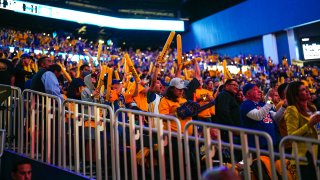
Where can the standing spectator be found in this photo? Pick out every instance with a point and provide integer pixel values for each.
(299, 121)
(273, 95)
(227, 108)
(281, 93)
(50, 81)
(36, 84)
(258, 115)
(6, 72)
(20, 74)
(75, 87)
(240, 96)
(203, 97)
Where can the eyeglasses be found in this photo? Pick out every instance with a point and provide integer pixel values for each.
(235, 85)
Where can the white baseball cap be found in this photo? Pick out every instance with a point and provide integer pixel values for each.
(177, 83)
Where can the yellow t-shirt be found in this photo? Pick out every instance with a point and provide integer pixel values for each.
(167, 106)
(207, 113)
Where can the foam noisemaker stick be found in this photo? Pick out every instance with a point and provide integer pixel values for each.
(225, 69)
(99, 50)
(198, 59)
(123, 63)
(172, 70)
(78, 68)
(166, 47)
(64, 72)
(109, 83)
(116, 75)
(101, 77)
(131, 68)
(179, 51)
(130, 87)
(118, 67)
(150, 68)
(185, 72)
(19, 54)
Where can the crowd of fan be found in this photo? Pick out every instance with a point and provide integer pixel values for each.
(279, 99)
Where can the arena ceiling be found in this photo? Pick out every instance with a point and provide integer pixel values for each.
(188, 10)
(185, 9)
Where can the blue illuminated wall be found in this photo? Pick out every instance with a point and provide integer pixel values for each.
(252, 46)
(282, 45)
(251, 18)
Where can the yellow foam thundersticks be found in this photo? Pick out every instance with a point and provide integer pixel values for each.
(198, 59)
(101, 77)
(64, 72)
(109, 83)
(78, 68)
(99, 50)
(131, 68)
(179, 51)
(226, 71)
(166, 47)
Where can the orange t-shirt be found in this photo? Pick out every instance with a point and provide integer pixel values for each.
(141, 99)
(167, 106)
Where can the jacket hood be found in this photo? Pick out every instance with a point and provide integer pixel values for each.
(88, 82)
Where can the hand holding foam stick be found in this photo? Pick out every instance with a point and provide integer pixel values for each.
(78, 68)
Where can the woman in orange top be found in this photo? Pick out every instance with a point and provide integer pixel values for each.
(168, 105)
(173, 99)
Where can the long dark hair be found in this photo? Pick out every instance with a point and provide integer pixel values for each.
(169, 94)
(292, 96)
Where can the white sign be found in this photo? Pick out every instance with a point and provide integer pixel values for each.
(311, 51)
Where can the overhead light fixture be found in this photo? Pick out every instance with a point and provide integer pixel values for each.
(96, 19)
(305, 39)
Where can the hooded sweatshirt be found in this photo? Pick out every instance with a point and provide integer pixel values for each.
(88, 90)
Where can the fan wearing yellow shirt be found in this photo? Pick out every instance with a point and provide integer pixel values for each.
(203, 97)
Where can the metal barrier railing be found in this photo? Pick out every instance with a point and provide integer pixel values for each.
(10, 116)
(41, 132)
(56, 135)
(2, 142)
(298, 156)
(232, 143)
(147, 136)
(87, 138)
